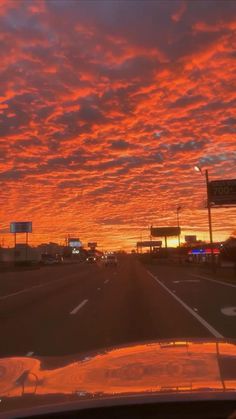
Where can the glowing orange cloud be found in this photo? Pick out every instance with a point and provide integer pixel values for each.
(102, 119)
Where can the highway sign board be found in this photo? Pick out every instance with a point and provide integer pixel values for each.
(222, 192)
(165, 231)
(21, 227)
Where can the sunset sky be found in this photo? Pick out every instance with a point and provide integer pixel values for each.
(105, 108)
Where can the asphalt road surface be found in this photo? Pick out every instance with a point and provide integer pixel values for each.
(65, 310)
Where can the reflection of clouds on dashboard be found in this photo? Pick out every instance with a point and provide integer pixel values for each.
(116, 111)
(174, 367)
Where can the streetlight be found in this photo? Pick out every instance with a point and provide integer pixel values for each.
(177, 215)
(199, 170)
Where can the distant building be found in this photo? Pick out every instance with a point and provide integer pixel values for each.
(50, 248)
(22, 252)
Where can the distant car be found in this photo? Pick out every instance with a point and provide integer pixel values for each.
(111, 260)
(48, 259)
(91, 259)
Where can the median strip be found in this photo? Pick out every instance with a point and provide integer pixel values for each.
(210, 328)
(76, 309)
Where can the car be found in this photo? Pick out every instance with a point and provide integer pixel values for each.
(91, 259)
(111, 260)
(49, 259)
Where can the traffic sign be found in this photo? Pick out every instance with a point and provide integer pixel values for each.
(222, 192)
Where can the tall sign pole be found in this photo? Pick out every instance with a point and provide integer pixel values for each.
(177, 213)
(209, 220)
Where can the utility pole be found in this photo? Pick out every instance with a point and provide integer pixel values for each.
(210, 221)
(177, 214)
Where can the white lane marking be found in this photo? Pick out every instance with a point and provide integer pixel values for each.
(211, 329)
(29, 353)
(25, 290)
(186, 281)
(106, 282)
(82, 304)
(229, 311)
(214, 280)
(98, 289)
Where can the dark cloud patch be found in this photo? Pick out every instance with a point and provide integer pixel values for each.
(86, 114)
(227, 129)
(215, 105)
(12, 174)
(91, 115)
(229, 121)
(184, 101)
(68, 184)
(217, 158)
(125, 163)
(133, 68)
(191, 145)
(120, 145)
(17, 116)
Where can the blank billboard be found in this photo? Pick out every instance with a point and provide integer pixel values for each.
(165, 231)
(21, 227)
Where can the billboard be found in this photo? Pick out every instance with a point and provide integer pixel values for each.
(190, 239)
(165, 231)
(21, 227)
(74, 242)
(222, 192)
(151, 243)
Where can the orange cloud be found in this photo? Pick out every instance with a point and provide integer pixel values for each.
(102, 120)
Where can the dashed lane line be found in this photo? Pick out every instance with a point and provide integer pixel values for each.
(210, 328)
(214, 280)
(81, 305)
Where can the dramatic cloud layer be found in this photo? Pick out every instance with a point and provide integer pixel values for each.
(106, 106)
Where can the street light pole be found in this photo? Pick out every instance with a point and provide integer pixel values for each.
(198, 169)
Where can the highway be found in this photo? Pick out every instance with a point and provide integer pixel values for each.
(64, 310)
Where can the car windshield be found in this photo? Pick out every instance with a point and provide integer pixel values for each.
(118, 175)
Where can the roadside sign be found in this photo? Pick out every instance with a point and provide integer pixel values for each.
(165, 231)
(222, 192)
(74, 242)
(21, 227)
